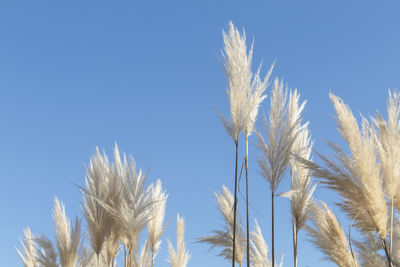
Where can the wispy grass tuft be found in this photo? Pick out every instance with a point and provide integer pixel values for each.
(329, 237)
(68, 237)
(155, 225)
(179, 257)
(224, 238)
(30, 253)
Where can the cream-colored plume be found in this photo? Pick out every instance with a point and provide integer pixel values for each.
(224, 238)
(30, 253)
(329, 237)
(180, 256)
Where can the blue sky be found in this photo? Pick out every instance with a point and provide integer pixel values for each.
(146, 74)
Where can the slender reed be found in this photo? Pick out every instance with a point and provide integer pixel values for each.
(245, 94)
(254, 99)
(276, 148)
(301, 192)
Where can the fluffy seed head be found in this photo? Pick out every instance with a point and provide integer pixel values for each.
(180, 256)
(67, 237)
(329, 237)
(30, 253)
(224, 238)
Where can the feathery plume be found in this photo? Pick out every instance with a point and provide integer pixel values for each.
(47, 254)
(180, 256)
(224, 238)
(259, 250)
(67, 237)
(368, 251)
(356, 177)
(102, 186)
(237, 64)
(30, 254)
(245, 93)
(301, 191)
(277, 147)
(387, 143)
(329, 237)
(157, 213)
(132, 213)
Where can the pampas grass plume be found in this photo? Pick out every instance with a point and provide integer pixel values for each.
(180, 256)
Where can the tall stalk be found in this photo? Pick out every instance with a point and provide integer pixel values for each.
(391, 226)
(235, 202)
(294, 244)
(294, 228)
(247, 200)
(384, 245)
(273, 228)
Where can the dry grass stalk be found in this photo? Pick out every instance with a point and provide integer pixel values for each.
(276, 148)
(245, 94)
(255, 97)
(329, 237)
(180, 256)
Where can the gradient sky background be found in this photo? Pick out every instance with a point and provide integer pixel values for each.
(146, 74)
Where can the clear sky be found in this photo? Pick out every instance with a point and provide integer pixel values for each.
(146, 74)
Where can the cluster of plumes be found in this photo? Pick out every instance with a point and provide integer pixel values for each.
(246, 89)
(222, 239)
(117, 207)
(367, 179)
(40, 251)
